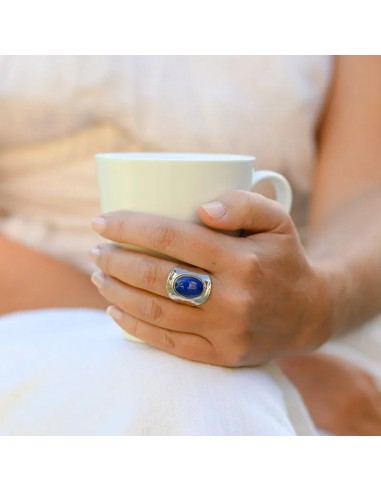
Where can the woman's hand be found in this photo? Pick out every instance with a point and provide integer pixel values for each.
(342, 398)
(266, 299)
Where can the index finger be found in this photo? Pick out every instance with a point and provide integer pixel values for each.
(175, 239)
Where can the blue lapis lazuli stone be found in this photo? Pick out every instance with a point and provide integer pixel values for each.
(189, 286)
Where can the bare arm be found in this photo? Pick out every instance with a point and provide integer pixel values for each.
(345, 225)
(31, 280)
(345, 237)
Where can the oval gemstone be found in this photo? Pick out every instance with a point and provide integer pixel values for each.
(189, 286)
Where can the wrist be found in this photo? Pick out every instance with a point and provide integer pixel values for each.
(319, 317)
(333, 296)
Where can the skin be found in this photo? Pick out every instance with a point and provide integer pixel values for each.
(28, 280)
(243, 270)
(332, 285)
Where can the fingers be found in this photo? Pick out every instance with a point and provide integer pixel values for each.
(150, 308)
(184, 241)
(252, 212)
(186, 345)
(134, 268)
(167, 325)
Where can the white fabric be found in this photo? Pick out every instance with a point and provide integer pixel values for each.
(72, 372)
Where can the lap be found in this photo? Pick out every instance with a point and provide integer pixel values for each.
(72, 372)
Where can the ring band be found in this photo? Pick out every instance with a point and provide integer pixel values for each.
(189, 287)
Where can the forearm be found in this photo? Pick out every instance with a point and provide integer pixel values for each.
(346, 248)
(31, 280)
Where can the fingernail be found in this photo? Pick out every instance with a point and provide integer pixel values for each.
(95, 252)
(214, 209)
(98, 279)
(98, 223)
(114, 312)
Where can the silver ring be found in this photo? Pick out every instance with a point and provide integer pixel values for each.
(189, 287)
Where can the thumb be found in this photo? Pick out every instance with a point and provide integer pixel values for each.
(252, 212)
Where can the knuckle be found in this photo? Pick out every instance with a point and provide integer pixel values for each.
(236, 355)
(149, 273)
(279, 208)
(168, 341)
(246, 303)
(243, 347)
(251, 265)
(137, 328)
(121, 229)
(134, 326)
(164, 235)
(285, 221)
(105, 260)
(152, 309)
(237, 359)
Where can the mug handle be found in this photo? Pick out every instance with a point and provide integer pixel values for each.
(283, 191)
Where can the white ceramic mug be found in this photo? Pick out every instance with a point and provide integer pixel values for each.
(175, 185)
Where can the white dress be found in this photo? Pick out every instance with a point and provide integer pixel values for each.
(71, 371)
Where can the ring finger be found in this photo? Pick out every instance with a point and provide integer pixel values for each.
(135, 268)
(148, 307)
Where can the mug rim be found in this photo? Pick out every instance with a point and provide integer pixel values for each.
(176, 156)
